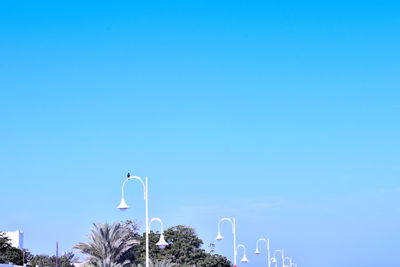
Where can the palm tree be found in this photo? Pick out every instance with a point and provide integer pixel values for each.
(106, 263)
(107, 245)
(157, 263)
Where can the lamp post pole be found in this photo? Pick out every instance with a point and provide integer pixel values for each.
(268, 249)
(123, 206)
(290, 261)
(244, 259)
(147, 222)
(219, 237)
(283, 257)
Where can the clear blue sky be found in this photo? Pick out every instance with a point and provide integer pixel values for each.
(283, 113)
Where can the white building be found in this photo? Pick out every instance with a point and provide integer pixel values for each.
(16, 238)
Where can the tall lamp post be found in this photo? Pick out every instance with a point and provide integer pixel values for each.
(123, 206)
(219, 237)
(268, 250)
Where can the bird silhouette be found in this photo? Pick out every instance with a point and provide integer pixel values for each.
(128, 175)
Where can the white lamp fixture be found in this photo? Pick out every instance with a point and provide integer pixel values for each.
(219, 236)
(244, 259)
(123, 206)
(274, 260)
(268, 251)
(162, 243)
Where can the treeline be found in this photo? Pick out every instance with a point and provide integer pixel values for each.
(17, 256)
(120, 244)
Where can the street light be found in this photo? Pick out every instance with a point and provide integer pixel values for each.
(244, 259)
(268, 252)
(219, 237)
(283, 257)
(290, 261)
(161, 243)
(274, 260)
(123, 206)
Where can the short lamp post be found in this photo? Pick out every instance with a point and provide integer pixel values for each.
(268, 250)
(290, 261)
(275, 260)
(219, 237)
(123, 206)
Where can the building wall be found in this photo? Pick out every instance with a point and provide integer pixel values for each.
(17, 238)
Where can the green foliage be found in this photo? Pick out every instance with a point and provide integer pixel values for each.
(106, 263)
(13, 255)
(65, 260)
(4, 242)
(157, 263)
(9, 253)
(108, 244)
(119, 245)
(184, 249)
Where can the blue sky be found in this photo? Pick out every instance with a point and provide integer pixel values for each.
(282, 113)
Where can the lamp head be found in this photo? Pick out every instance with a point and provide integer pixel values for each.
(257, 251)
(219, 236)
(123, 206)
(162, 243)
(244, 259)
(273, 260)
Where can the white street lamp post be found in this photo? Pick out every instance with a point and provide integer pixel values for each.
(274, 260)
(268, 250)
(123, 206)
(219, 237)
(244, 259)
(161, 243)
(290, 261)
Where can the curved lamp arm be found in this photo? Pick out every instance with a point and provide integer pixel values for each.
(137, 178)
(244, 248)
(262, 239)
(224, 219)
(159, 220)
(277, 251)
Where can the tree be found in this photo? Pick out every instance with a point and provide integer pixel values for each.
(104, 263)
(108, 244)
(4, 242)
(9, 253)
(4, 247)
(157, 263)
(66, 260)
(184, 249)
